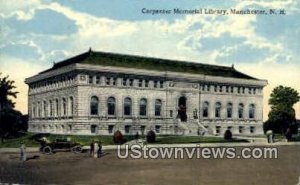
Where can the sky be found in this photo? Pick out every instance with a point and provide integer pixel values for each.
(36, 33)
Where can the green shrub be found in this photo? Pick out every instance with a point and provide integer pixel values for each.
(151, 136)
(118, 137)
(227, 135)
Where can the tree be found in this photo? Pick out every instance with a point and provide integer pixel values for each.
(282, 114)
(11, 121)
(6, 91)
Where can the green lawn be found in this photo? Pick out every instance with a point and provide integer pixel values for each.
(30, 140)
(16, 142)
(194, 139)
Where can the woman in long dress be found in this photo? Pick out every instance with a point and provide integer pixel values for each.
(96, 148)
(23, 152)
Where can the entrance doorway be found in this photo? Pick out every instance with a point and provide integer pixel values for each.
(182, 109)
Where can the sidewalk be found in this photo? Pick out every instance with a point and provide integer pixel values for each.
(188, 145)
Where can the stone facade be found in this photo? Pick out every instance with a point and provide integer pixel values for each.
(91, 99)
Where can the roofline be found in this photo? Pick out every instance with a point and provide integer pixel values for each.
(168, 74)
(90, 51)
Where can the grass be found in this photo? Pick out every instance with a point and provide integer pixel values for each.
(16, 142)
(29, 140)
(194, 139)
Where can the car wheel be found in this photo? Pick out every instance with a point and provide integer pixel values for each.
(77, 149)
(47, 150)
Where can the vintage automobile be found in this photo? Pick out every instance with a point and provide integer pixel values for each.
(59, 144)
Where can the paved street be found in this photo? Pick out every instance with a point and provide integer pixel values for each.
(69, 168)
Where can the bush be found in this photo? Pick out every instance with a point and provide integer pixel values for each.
(151, 136)
(227, 135)
(118, 137)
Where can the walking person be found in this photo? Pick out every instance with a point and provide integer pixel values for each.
(92, 148)
(96, 148)
(99, 150)
(23, 152)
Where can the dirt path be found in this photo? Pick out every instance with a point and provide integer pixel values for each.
(69, 168)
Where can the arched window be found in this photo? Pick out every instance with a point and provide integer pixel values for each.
(51, 107)
(94, 105)
(143, 107)
(33, 110)
(111, 106)
(251, 111)
(205, 109)
(39, 109)
(127, 106)
(241, 110)
(71, 105)
(57, 107)
(229, 110)
(45, 109)
(158, 105)
(64, 106)
(218, 110)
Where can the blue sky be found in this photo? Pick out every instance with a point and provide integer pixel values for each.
(36, 33)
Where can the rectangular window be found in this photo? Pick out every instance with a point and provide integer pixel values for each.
(131, 82)
(161, 85)
(90, 79)
(127, 129)
(241, 129)
(140, 83)
(252, 129)
(155, 84)
(124, 82)
(110, 129)
(171, 113)
(227, 89)
(93, 129)
(157, 128)
(107, 81)
(146, 83)
(97, 79)
(218, 129)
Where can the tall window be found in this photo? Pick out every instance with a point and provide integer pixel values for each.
(251, 111)
(33, 110)
(229, 110)
(127, 106)
(64, 105)
(218, 110)
(111, 106)
(158, 107)
(241, 110)
(39, 109)
(143, 107)
(94, 105)
(51, 107)
(205, 109)
(45, 109)
(71, 105)
(57, 107)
